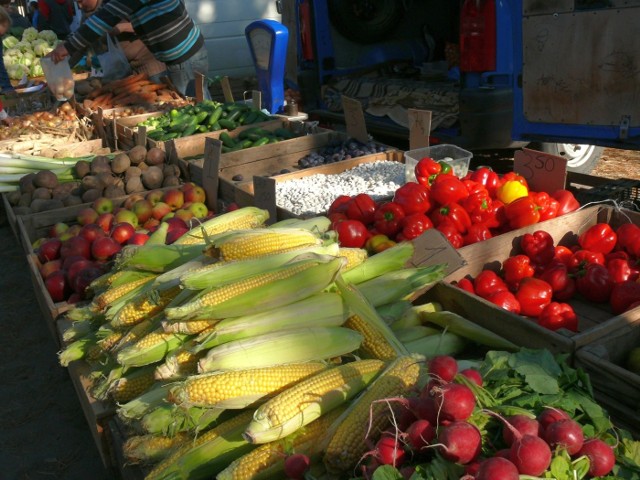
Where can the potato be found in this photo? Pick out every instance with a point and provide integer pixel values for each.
(22, 210)
(132, 172)
(14, 197)
(91, 195)
(134, 185)
(41, 193)
(119, 183)
(137, 154)
(99, 164)
(114, 192)
(155, 156)
(152, 177)
(72, 200)
(106, 179)
(45, 178)
(82, 168)
(90, 182)
(171, 181)
(26, 183)
(143, 166)
(171, 170)
(25, 199)
(120, 163)
(40, 205)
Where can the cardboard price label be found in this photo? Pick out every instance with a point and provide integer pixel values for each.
(354, 119)
(419, 128)
(542, 171)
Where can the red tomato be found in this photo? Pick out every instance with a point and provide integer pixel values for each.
(623, 296)
(581, 258)
(538, 246)
(486, 177)
(413, 198)
(466, 285)
(451, 233)
(426, 170)
(563, 254)
(352, 233)
(476, 233)
(533, 294)
(339, 205)
(516, 268)
(629, 238)
(598, 238)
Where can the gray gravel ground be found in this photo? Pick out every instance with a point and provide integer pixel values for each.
(43, 431)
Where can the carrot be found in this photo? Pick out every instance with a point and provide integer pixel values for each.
(154, 87)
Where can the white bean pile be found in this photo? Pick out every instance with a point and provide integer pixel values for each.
(314, 194)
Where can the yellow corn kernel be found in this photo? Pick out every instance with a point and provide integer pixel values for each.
(354, 256)
(145, 306)
(241, 388)
(107, 343)
(190, 327)
(374, 345)
(256, 243)
(241, 219)
(179, 364)
(349, 441)
(131, 385)
(134, 334)
(112, 294)
(309, 399)
(152, 448)
(150, 349)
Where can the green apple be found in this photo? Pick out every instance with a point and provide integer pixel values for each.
(199, 209)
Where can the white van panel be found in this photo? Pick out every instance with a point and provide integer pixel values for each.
(222, 23)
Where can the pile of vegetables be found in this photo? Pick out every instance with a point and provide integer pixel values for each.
(61, 122)
(22, 56)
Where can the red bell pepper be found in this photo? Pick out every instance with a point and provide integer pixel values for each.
(514, 176)
(563, 254)
(516, 268)
(558, 315)
(533, 294)
(566, 200)
(629, 238)
(477, 232)
(557, 275)
(538, 246)
(567, 292)
(465, 284)
(413, 198)
(352, 233)
(598, 238)
(451, 233)
(448, 189)
(548, 206)
(388, 218)
(522, 212)
(505, 300)
(581, 258)
(362, 208)
(426, 170)
(336, 218)
(339, 205)
(414, 225)
(619, 270)
(623, 296)
(488, 282)
(486, 177)
(594, 283)
(454, 213)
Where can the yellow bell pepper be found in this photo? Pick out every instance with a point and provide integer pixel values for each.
(511, 190)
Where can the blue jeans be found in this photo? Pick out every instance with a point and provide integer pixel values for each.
(182, 74)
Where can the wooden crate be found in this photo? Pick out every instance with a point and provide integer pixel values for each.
(116, 436)
(604, 358)
(126, 130)
(594, 319)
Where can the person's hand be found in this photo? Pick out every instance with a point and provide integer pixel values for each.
(58, 53)
(122, 27)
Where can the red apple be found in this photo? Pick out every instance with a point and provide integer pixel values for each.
(175, 234)
(49, 249)
(121, 232)
(91, 232)
(71, 232)
(76, 246)
(102, 205)
(195, 194)
(56, 285)
(76, 267)
(175, 222)
(71, 259)
(84, 278)
(131, 199)
(49, 267)
(74, 298)
(184, 214)
(151, 224)
(174, 198)
(126, 216)
(138, 238)
(104, 248)
(232, 206)
(199, 209)
(105, 221)
(143, 210)
(185, 187)
(160, 209)
(87, 216)
(154, 196)
(58, 229)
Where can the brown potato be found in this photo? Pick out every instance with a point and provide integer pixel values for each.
(114, 192)
(82, 168)
(171, 181)
(137, 154)
(99, 164)
(152, 177)
(41, 193)
(106, 179)
(25, 199)
(171, 170)
(120, 163)
(134, 185)
(14, 197)
(143, 166)
(40, 205)
(72, 200)
(155, 156)
(90, 182)
(26, 183)
(132, 172)
(91, 195)
(46, 179)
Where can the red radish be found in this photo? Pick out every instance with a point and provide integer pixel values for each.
(419, 434)
(389, 451)
(530, 454)
(405, 418)
(550, 415)
(459, 442)
(565, 434)
(425, 408)
(296, 465)
(473, 375)
(455, 402)
(497, 468)
(429, 389)
(601, 457)
(443, 368)
(525, 425)
(471, 469)
(504, 453)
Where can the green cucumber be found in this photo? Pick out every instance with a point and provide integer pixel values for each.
(228, 124)
(227, 140)
(283, 133)
(261, 141)
(215, 116)
(201, 116)
(190, 130)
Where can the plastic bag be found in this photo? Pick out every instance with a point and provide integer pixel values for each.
(114, 62)
(59, 78)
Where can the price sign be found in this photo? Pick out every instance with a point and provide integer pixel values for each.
(419, 128)
(264, 196)
(544, 172)
(210, 169)
(226, 89)
(354, 119)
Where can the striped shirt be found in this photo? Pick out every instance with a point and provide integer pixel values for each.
(164, 26)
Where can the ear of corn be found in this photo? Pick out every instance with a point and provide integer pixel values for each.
(243, 244)
(391, 312)
(389, 260)
(150, 349)
(131, 385)
(309, 399)
(77, 350)
(159, 236)
(136, 332)
(147, 449)
(273, 288)
(189, 327)
(169, 419)
(143, 404)
(179, 364)
(115, 292)
(208, 454)
(157, 258)
(409, 334)
(76, 331)
(240, 219)
(411, 318)
(454, 323)
(318, 225)
(222, 273)
(237, 389)
(319, 310)
(281, 347)
(400, 284)
(172, 277)
(354, 256)
(83, 314)
(143, 306)
(267, 460)
(379, 340)
(444, 344)
(348, 443)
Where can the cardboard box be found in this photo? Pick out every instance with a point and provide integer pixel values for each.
(594, 319)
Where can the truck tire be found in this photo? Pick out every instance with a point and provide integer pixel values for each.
(581, 158)
(365, 21)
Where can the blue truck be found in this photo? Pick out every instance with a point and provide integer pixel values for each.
(561, 76)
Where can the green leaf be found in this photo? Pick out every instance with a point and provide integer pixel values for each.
(386, 472)
(438, 469)
(539, 369)
(560, 468)
(581, 466)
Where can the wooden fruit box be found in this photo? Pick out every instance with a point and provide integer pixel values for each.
(126, 130)
(116, 436)
(594, 319)
(604, 360)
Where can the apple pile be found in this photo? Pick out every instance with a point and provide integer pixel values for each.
(73, 255)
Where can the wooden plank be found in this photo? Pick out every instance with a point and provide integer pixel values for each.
(116, 436)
